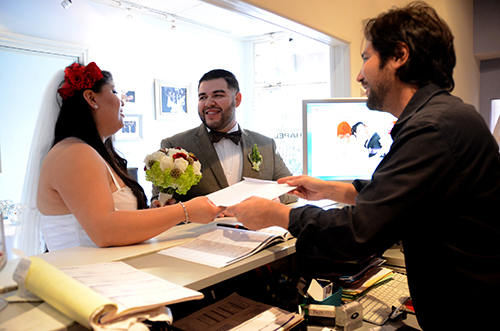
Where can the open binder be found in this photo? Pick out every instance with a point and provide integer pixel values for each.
(227, 245)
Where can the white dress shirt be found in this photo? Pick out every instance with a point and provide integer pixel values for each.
(231, 158)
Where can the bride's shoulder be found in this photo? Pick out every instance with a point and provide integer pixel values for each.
(71, 163)
(70, 150)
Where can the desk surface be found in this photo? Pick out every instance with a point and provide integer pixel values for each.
(198, 276)
(27, 316)
(185, 273)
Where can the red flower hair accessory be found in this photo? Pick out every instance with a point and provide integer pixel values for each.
(78, 77)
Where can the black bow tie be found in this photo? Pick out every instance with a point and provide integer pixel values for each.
(216, 136)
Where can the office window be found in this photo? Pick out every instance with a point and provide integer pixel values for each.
(286, 71)
(291, 60)
(20, 107)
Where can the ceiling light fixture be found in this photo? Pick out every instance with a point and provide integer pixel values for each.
(66, 3)
(155, 11)
(129, 15)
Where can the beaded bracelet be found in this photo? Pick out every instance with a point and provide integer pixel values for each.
(185, 212)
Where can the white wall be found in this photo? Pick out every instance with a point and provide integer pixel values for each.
(135, 52)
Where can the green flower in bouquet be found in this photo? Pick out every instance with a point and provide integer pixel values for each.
(173, 170)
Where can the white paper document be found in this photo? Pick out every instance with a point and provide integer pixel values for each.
(129, 287)
(249, 187)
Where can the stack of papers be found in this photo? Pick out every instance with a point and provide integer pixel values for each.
(362, 270)
(372, 278)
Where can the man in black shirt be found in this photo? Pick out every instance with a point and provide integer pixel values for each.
(437, 189)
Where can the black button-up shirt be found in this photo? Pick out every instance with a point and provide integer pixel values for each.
(437, 190)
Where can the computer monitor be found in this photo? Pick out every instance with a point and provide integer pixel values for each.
(343, 140)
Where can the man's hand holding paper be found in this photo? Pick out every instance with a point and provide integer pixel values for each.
(257, 213)
(253, 199)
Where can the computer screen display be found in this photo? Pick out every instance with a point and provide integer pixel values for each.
(342, 139)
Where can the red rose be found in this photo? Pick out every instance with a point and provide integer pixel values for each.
(76, 77)
(66, 90)
(93, 73)
(71, 67)
(179, 155)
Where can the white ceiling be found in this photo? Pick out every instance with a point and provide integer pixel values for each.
(200, 13)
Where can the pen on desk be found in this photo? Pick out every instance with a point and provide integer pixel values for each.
(232, 226)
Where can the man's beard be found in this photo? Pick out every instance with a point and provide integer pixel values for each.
(226, 117)
(377, 96)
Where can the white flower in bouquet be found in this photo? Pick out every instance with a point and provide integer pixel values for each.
(166, 162)
(173, 170)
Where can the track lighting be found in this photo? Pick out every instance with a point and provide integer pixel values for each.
(129, 16)
(66, 3)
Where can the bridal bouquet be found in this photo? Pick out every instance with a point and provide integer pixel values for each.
(172, 170)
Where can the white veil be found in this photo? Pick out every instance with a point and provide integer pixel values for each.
(29, 237)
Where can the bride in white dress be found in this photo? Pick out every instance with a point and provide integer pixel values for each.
(82, 194)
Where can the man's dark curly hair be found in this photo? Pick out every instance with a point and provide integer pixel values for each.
(432, 55)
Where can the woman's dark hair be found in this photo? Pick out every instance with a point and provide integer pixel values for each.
(75, 120)
(432, 55)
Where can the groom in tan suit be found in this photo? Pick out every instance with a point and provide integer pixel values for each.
(219, 143)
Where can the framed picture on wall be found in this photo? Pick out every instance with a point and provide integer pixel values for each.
(128, 97)
(171, 99)
(132, 130)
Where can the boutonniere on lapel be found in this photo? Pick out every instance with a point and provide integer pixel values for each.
(255, 158)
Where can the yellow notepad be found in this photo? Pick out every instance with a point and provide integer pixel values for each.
(104, 292)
